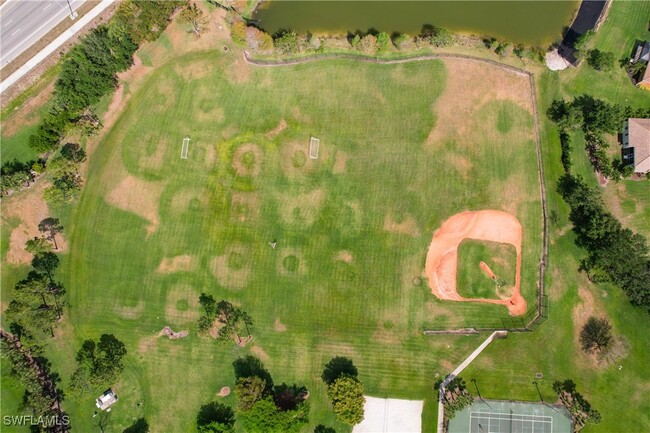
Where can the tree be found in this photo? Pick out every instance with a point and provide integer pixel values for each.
(102, 421)
(258, 40)
(355, 41)
(596, 335)
(209, 305)
(215, 418)
(337, 367)
(38, 246)
(251, 366)
(73, 152)
(248, 391)
(368, 44)
(193, 15)
(502, 49)
(238, 32)
(401, 41)
(264, 417)
(383, 42)
(564, 114)
(347, 398)
(98, 363)
(286, 42)
(320, 428)
(50, 227)
(289, 397)
(441, 37)
(601, 60)
(139, 426)
(582, 43)
(46, 263)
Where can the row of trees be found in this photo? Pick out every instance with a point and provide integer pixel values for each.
(344, 389)
(371, 42)
(614, 254)
(576, 404)
(231, 321)
(15, 175)
(42, 397)
(99, 363)
(455, 397)
(594, 117)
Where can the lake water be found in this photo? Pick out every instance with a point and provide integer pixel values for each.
(529, 22)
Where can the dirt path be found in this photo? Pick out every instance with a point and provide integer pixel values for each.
(442, 257)
(485, 268)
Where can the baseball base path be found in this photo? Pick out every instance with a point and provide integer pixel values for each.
(484, 225)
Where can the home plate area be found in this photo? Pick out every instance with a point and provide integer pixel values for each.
(388, 415)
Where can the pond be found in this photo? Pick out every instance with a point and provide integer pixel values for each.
(530, 22)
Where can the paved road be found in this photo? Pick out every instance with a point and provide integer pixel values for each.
(24, 22)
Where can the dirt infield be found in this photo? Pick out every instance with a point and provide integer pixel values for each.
(442, 257)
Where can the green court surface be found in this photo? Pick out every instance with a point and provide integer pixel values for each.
(495, 416)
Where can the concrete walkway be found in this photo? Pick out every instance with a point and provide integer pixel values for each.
(459, 369)
(55, 44)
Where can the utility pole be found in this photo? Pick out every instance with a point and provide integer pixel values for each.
(73, 14)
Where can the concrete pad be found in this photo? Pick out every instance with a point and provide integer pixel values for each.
(388, 415)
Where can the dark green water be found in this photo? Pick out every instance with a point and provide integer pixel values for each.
(530, 22)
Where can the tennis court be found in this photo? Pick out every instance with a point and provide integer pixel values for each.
(497, 416)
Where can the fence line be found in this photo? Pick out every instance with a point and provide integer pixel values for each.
(536, 315)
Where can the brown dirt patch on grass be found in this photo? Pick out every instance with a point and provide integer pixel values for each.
(344, 256)
(155, 160)
(301, 208)
(184, 263)
(473, 85)
(238, 71)
(340, 162)
(460, 163)
(224, 392)
(182, 305)
(291, 261)
(295, 160)
(141, 197)
(260, 353)
(282, 125)
(27, 114)
(247, 160)
(130, 313)
(244, 206)
(278, 326)
(232, 269)
(186, 198)
(407, 226)
(30, 208)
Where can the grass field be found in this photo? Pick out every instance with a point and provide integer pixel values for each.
(403, 147)
(153, 231)
(472, 282)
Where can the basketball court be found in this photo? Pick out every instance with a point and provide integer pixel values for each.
(494, 416)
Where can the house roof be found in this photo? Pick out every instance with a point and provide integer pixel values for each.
(639, 139)
(645, 80)
(645, 52)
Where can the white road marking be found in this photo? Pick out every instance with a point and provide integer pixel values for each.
(47, 7)
(9, 22)
(16, 31)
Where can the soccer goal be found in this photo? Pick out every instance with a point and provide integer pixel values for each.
(314, 143)
(185, 148)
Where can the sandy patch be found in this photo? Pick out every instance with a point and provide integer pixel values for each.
(282, 125)
(238, 71)
(155, 160)
(460, 163)
(184, 263)
(226, 269)
(408, 226)
(224, 392)
(344, 256)
(244, 206)
(138, 196)
(247, 160)
(390, 415)
(260, 353)
(302, 208)
(442, 257)
(29, 207)
(278, 326)
(340, 162)
(130, 313)
(474, 84)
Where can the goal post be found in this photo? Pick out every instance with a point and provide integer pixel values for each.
(314, 144)
(185, 148)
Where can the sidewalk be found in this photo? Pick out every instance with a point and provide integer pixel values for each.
(56, 44)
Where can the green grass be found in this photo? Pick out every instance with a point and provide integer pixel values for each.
(228, 200)
(12, 396)
(472, 282)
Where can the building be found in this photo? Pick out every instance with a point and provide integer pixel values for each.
(106, 400)
(636, 145)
